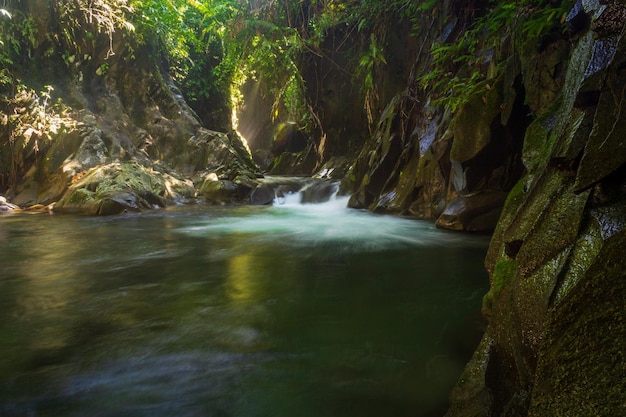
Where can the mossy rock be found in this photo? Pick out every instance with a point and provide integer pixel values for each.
(472, 124)
(218, 191)
(471, 397)
(503, 273)
(78, 200)
(581, 363)
(113, 188)
(605, 152)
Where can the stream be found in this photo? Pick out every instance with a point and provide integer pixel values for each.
(290, 310)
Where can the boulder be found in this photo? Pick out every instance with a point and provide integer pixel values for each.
(262, 195)
(473, 213)
(5, 206)
(117, 187)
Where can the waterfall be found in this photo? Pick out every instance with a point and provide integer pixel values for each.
(297, 190)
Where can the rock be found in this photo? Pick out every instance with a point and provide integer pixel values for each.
(218, 192)
(288, 138)
(555, 307)
(262, 195)
(476, 213)
(113, 188)
(5, 206)
(583, 347)
(472, 127)
(605, 151)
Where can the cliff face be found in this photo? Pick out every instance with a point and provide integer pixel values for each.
(555, 341)
(538, 154)
(455, 165)
(92, 122)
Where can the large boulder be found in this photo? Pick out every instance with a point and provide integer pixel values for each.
(117, 187)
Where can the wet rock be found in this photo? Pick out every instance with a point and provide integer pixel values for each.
(262, 195)
(542, 71)
(470, 397)
(288, 138)
(218, 191)
(582, 353)
(319, 191)
(611, 21)
(113, 188)
(474, 213)
(5, 206)
(577, 19)
(605, 151)
(557, 281)
(472, 127)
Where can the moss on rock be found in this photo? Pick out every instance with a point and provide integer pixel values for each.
(581, 364)
(113, 188)
(472, 124)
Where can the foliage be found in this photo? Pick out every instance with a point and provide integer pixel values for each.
(211, 45)
(17, 40)
(107, 15)
(458, 67)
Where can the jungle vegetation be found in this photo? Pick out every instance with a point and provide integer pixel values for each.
(211, 47)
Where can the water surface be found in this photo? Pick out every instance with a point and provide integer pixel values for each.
(291, 310)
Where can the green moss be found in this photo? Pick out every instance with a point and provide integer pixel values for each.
(580, 368)
(504, 271)
(80, 196)
(472, 124)
(502, 274)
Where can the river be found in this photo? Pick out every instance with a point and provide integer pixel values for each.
(292, 310)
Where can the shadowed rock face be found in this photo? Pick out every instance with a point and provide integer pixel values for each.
(428, 164)
(554, 345)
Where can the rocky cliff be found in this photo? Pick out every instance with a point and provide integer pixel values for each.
(537, 153)
(555, 341)
(93, 123)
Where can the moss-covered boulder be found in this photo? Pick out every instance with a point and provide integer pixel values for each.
(117, 187)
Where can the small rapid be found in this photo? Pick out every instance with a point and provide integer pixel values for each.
(306, 212)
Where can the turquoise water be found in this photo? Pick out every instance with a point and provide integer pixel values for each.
(291, 310)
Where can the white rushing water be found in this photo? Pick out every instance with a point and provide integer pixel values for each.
(289, 221)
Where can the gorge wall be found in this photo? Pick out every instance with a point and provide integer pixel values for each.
(538, 154)
(534, 152)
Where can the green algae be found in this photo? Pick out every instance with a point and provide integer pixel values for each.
(81, 196)
(503, 273)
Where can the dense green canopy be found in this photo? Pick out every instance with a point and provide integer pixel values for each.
(212, 45)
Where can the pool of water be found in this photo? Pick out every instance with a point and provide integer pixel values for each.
(290, 310)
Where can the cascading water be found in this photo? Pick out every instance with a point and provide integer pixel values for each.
(297, 190)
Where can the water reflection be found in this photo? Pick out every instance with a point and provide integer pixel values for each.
(281, 311)
(241, 282)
